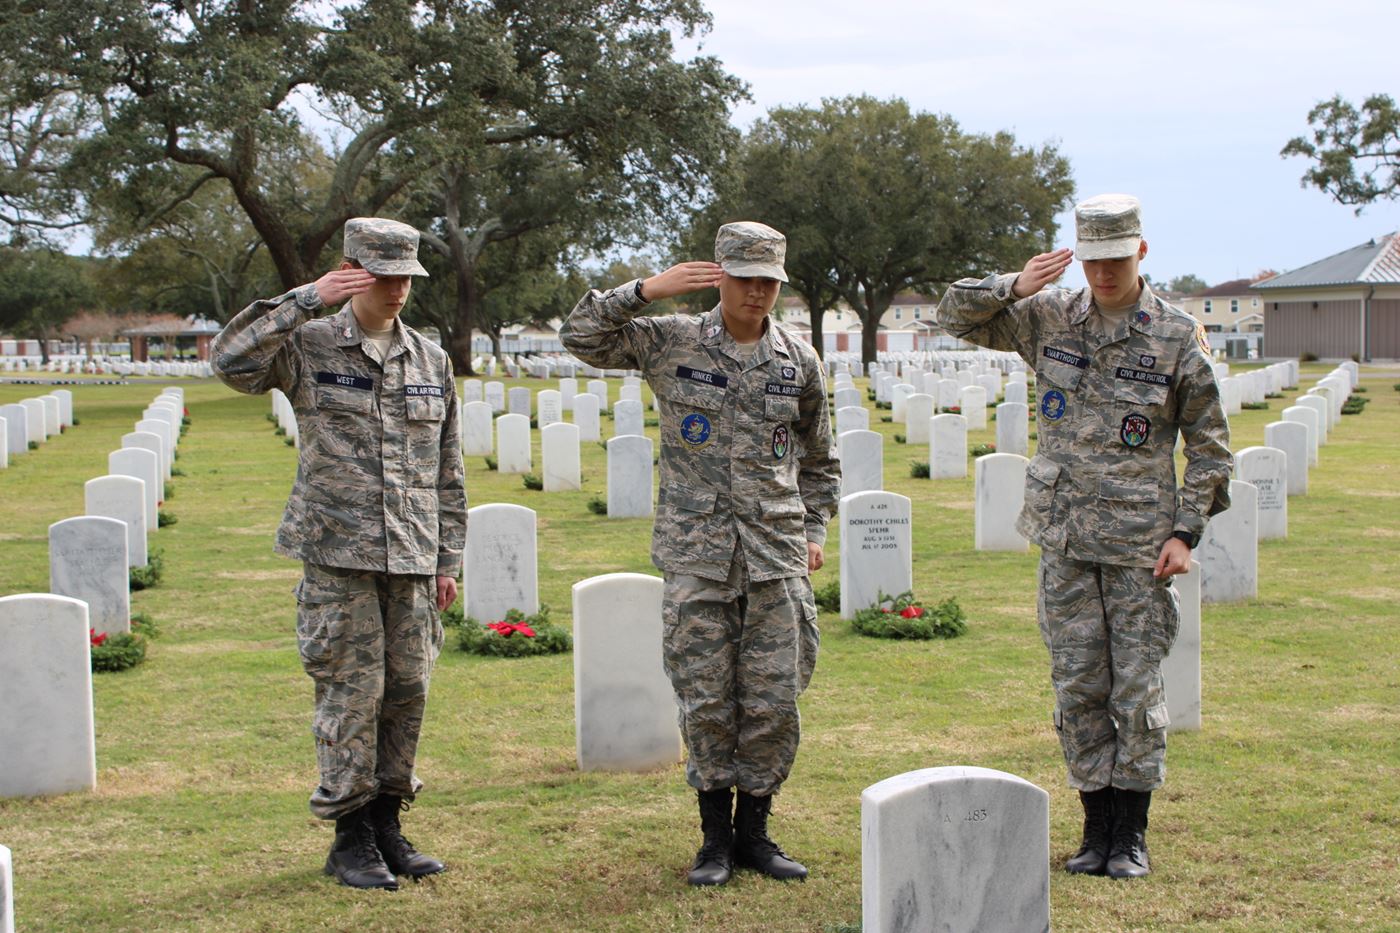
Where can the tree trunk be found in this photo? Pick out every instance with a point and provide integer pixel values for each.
(815, 315)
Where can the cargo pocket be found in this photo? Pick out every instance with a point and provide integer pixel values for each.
(1041, 477)
(1129, 509)
(809, 635)
(1154, 712)
(320, 598)
(332, 756)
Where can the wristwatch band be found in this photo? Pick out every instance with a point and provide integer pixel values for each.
(1190, 540)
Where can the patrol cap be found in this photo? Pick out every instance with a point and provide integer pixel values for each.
(749, 249)
(384, 247)
(1108, 226)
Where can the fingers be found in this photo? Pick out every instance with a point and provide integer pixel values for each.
(682, 279)
(339, 284)
(446, 592)
(1160, 570)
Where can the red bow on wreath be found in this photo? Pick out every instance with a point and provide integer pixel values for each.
(96, 639)
(507, 629)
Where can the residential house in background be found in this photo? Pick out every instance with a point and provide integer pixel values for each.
(1335, 308)
(1228, 307)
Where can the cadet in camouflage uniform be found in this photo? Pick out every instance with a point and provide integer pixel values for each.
(1119, 373)
(378, 517)
(748, 483)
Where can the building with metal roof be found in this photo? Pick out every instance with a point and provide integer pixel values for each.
(1346, 305)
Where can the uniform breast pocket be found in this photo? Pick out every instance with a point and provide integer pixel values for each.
(690, 415)
(335, 399)
(779, 408)
(1131, 394)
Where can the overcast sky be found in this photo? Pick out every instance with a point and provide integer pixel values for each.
(1184, 104)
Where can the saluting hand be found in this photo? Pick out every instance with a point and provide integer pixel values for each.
(339, 284)
(1041, 271)
(681, 279)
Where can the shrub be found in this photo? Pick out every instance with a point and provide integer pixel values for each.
(174, 471)
(490, 462)
(1308, 358)
(280, 432)
(532, 481)
(33, 445)
(515, 636)
(981, 450)
(1255, 406)
(828, 597)
(164, 519)
(951, 410)
(1354, 404)
(145, 626)
(887, 419)
(918, 469)
(899, 439)
(906, 617)
(143, 578)
(289, 441)
(116, 652)
(598, 505)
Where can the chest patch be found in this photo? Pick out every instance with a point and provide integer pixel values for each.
(780, 442)
(789, 372)
(1142, 317)
(704, 377)
(1052, 405)
(346, 380)
(1138, 375)
(1147, 362)
(1135, 429)
(423, 391)
(695, 431)
(783, 389)
(1064, 356)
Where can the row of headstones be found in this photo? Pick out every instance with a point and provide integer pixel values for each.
(476, 420)
(105, 367)
(552, 402)
(1253, 387)
(45, 658)
(906, 363)
(33, 420)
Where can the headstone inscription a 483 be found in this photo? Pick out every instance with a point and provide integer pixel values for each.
(953, 850)
(1266, 469)
(87, 561)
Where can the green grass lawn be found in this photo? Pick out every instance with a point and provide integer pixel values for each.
(1282, 814)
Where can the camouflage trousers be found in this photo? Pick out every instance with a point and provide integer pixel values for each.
(1108, 628)
(369, 641)
(738, 654)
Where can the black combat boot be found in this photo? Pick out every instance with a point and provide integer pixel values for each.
(354, 858)
(752, 847)
(1092, 857)
(399, 853)
(713, 862)
(1128, 857)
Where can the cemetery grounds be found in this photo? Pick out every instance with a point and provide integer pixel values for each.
(1283, 813)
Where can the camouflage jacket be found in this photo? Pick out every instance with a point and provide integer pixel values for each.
(1102, 485)
(379, 481)
(746, 450)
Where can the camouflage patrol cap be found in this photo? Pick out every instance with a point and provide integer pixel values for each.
(1108, 226)
(747, 249)
(384, 247)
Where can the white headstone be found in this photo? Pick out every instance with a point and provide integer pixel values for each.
(1232, 395)
(476, 430)
(513, 443)
(955, 850)
(948, 393)
(1181, 668)
(973, 401)
(65, 406)
(1308, 419)
(16, 428)
(918, 409)
(559, 451)
(502, 570)
(145, 466)
(1229, 551)
(161, 428)
(147, 440)
(1013, 433)
(471, 391)
(862, 462)
(599, 389)
(496, 395)
(852, 418)
(629, 474)
(624, 707)
(628, 418)
(87, 561)
(46, 693)
(34, 418)
(122, 498)
(899, 397)
(846, 398)
(876, 548)
(4, 443)
(519, 403)
(568, 388)
(7, 888)
(586, 417)
(1266, 469)
(947, 449)
(630, 392)
(1318, 406)
(551, 407)
(1000, 491)
(991, 384)
(53, 420)
(1291, 437)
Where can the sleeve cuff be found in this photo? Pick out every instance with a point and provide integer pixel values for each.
(816, 534)
(450, 565)
(627, 293)
(308, 298)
